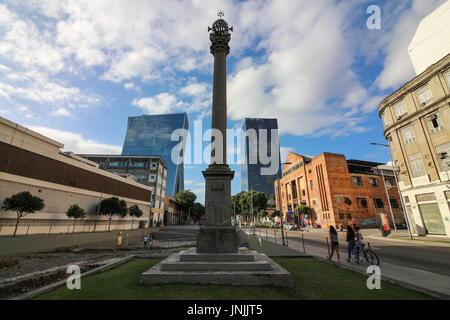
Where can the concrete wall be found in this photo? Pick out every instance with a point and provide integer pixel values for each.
(52, 219)
(40, 243)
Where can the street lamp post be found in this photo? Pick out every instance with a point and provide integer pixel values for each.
(279, 202)
(389, 202)
(398, 188)
(251, 197)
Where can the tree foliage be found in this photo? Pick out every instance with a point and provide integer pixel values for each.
(75, 212)
(197, 211)
(112, 207)
(242, 203)
(186, 199)
(135, 212)
(23, 203)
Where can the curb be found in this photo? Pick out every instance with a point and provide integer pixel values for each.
(412, 242)
(47, 288)
(429, 292)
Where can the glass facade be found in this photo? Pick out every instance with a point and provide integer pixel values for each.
(150, 135)
(251, 176)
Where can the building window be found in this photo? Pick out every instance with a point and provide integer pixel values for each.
(424, 95)
(314, 202)
(137, 165)
(341, 216)
(447, 78)
(373, 182)
(394, 203)
(443, 153)
(349, 215)
(303, 192)
(361, 202)
(311, 183)
(378, 203)
(338, 199)
(434, 123)
(406, 199)
(141, 177)
(388, 183)
(357, 181)
(400, 110)
(408, 135)
(417, 167)
(384, 119)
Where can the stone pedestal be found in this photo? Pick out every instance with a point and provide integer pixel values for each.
(218, 235)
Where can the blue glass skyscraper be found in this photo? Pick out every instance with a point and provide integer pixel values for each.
(251, 177)
(150, 135)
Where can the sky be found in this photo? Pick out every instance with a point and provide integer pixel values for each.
(76, 70)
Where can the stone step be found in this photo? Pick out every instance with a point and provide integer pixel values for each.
(217, 257)
(216, 266)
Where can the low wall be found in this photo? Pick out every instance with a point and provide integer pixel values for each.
(40, 242)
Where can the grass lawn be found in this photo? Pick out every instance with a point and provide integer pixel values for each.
(312, 280)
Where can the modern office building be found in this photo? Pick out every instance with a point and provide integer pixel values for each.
(259, 135)
(338, 190)
(416, 121)
(150, 135)
(431, 42)
(149, 170)
(32, 162)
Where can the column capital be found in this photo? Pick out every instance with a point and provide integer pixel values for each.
(220, 36)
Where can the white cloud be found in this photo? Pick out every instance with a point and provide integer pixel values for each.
(75, 142)
(397, 67)
(159, 104)
(61, 112)
(284, 151)
(303, 74)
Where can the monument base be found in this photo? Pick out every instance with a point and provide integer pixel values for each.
(217, 240)
(246, 268)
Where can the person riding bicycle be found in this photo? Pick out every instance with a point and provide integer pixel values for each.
(359, 237)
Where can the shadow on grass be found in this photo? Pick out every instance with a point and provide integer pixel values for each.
(312, 280)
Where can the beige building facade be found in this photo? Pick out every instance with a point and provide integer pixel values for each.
(32, 162)
(416, 121)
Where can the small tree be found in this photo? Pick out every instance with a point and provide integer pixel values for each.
(186, 199)
(75, 212)
(134, 213)
(23, 203)
(110, 208)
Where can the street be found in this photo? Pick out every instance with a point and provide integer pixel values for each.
(431, 258)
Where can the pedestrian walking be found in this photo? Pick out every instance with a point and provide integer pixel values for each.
(334, 243)
(351, 246)
(145, 241)
(150, 240)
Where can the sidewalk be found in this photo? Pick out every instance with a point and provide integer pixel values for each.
(423, 281)
(403, 237)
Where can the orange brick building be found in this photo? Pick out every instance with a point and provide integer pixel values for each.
(338, 190)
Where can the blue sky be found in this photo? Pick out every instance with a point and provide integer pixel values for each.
(75, 70)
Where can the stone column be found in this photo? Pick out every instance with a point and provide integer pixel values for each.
(218, 235)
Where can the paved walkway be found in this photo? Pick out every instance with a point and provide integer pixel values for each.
(423, 281)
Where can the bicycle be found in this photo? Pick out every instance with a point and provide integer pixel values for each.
(366, 254)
